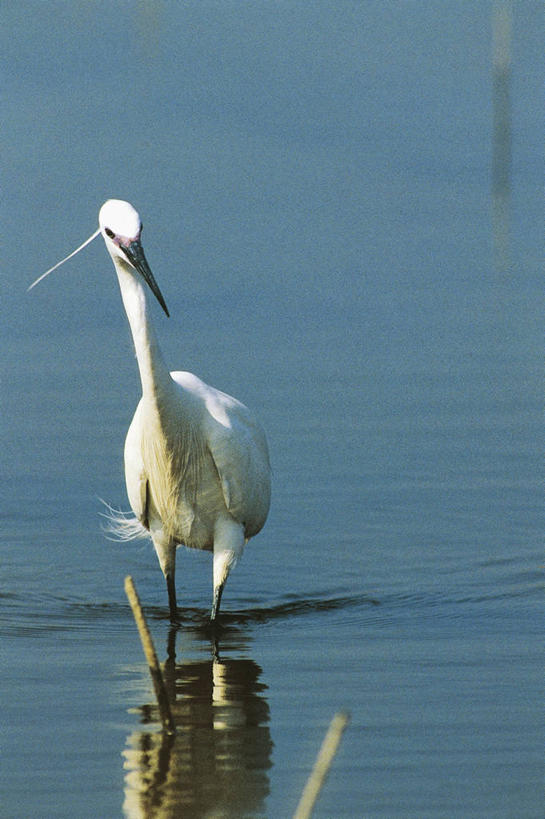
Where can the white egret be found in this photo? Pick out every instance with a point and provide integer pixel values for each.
(196, 460)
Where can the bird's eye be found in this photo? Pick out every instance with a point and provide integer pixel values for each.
(109, 233)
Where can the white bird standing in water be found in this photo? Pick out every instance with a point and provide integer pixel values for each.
(196, 460)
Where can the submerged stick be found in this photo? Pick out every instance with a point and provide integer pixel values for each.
(151, 657)
(321, 766)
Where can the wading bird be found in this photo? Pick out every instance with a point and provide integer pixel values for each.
(196, 460)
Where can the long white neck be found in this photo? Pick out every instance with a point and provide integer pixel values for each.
(154, 375)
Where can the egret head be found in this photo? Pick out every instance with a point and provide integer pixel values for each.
(119, 218)
(121, 227)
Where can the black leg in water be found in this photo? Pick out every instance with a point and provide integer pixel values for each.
(216, 603)
(171, 589)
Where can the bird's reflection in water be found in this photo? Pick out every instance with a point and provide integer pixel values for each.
(217, 763)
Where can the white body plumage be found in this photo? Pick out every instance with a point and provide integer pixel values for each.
(196, 460)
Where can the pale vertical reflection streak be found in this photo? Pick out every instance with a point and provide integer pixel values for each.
(501, 132)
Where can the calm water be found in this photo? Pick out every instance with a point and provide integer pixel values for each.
(316, 188)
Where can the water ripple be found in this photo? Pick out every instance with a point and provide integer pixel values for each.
(27, 615)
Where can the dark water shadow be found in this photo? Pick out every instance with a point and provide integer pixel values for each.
(295, 607)
(40, 615)
(218, 761)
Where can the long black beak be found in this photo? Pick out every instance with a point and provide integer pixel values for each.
(135, 254)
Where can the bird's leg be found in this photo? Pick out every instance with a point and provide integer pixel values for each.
(228, 547)
(166, 552)
(171, 589)
(218, 591)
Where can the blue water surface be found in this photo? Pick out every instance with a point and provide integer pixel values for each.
(342, 206)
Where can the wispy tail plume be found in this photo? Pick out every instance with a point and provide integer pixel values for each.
(122, 525)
